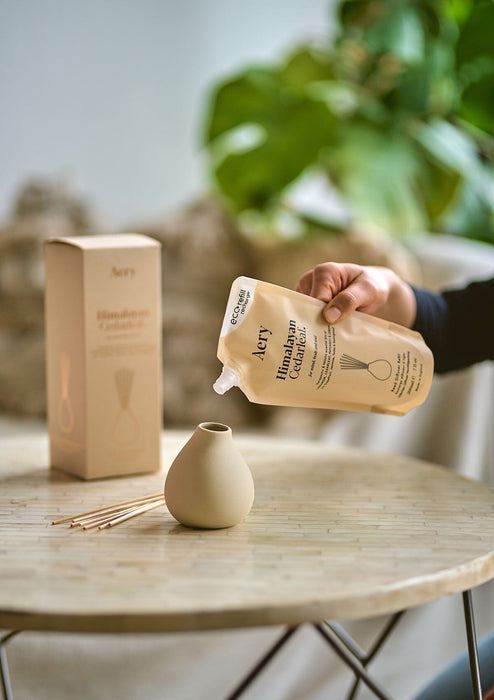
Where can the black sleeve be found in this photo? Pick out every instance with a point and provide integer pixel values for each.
(457, 325)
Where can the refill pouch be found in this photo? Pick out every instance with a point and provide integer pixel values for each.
(276, 346)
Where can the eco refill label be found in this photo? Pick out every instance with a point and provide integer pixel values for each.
(276, 344)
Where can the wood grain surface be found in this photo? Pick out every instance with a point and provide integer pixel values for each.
(335, 533)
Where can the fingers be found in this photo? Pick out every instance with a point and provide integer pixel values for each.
(304, 285)
(352, 298)
(367, 293)
(345, 287)
(326, 280)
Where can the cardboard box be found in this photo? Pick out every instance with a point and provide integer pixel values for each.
(103, 354)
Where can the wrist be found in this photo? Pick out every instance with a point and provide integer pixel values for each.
(401, 305)
(405, 302)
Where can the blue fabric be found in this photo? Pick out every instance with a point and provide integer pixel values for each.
(457, 324)
(454, 682)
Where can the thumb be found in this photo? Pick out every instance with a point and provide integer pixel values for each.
(359, 294)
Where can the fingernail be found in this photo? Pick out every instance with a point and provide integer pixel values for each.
(332, 314)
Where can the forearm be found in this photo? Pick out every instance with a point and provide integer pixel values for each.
(457, 325)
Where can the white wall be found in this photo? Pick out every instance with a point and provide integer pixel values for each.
(110, 92)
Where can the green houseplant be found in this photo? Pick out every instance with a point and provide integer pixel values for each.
(396, 113)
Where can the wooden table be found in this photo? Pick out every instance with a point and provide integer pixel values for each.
(334, 534)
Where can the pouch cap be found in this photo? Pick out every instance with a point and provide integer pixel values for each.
(227, 379)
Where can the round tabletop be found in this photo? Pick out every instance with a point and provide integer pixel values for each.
(335, 533)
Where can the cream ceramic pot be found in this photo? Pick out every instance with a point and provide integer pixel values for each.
(209, 484)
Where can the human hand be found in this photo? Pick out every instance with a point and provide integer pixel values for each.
(346, 287)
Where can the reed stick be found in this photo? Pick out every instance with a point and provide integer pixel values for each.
(115, 506)
(114, 509)
(128, 516)
(98, 519)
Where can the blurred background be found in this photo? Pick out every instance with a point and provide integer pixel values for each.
(256, 139)
(110, 94)
(263, 138)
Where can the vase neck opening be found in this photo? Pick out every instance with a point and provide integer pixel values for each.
(215, 427)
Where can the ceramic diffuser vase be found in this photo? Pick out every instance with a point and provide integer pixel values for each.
(209, 484)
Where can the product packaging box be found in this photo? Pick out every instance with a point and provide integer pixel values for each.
(103, 354)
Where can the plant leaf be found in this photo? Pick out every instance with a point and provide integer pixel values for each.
(477, 103)
(296, 131)
(451, 147)
(456, 151)
(438, 187)
(305, 66)
(475, 61)
(475, 37)
(470, 216)
(399, 32)
(248, 98)
(292, 128)
(377, 172)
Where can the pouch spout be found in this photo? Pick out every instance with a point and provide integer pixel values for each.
(227, 379)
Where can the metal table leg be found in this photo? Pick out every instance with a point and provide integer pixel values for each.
(472, 646)
(350, 659)
(4, 667)
(343, 645)
(365, 657)
(262, 663)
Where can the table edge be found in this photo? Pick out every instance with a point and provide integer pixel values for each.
(415, 593)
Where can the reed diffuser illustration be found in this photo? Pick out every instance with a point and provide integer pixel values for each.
(126, 426)
(379, 369)
(65, 413)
